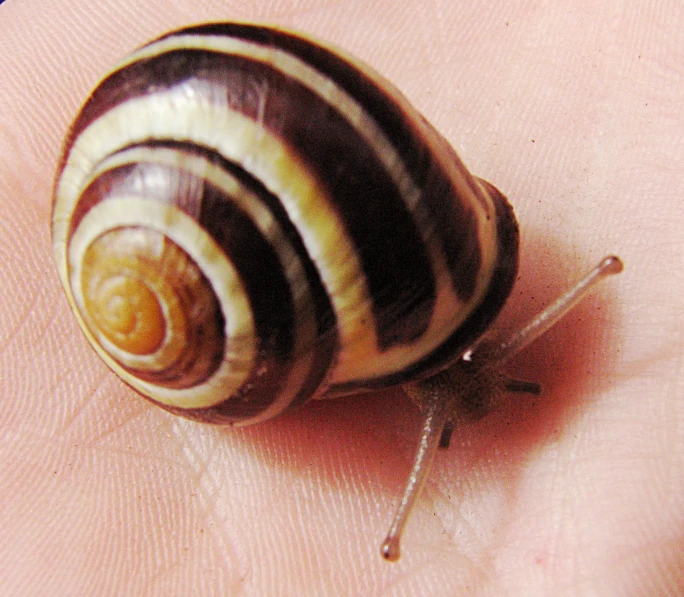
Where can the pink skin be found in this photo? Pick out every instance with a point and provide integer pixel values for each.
(576, 114)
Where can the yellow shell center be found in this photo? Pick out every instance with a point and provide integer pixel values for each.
(148, 307)
(128, 313)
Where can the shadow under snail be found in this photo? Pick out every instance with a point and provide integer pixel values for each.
(245, 219)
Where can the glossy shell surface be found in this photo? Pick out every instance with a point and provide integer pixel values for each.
(245, 218)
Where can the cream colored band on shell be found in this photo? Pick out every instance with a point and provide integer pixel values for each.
(358, 358)
(183, 231)
(250, 205)
(177, 115)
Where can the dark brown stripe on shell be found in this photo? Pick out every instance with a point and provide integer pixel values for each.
(398, 271)
(503, 278)
(262, 274)
(454, 222)
(260, 269)
(459, 234)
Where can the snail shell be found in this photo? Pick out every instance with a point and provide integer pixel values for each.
(245, 219)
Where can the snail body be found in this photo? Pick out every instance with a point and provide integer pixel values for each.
(245, 219)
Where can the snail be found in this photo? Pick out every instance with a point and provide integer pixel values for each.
(245, 219)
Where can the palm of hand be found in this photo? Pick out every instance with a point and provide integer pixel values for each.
(105, 495)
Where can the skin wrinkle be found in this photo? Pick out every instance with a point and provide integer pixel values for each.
(299, 505)
(197, 463)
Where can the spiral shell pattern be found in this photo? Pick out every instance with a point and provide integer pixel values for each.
(245, 219)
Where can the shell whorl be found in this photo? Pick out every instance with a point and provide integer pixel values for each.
(244, 219)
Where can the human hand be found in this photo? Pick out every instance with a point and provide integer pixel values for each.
(576, 115)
